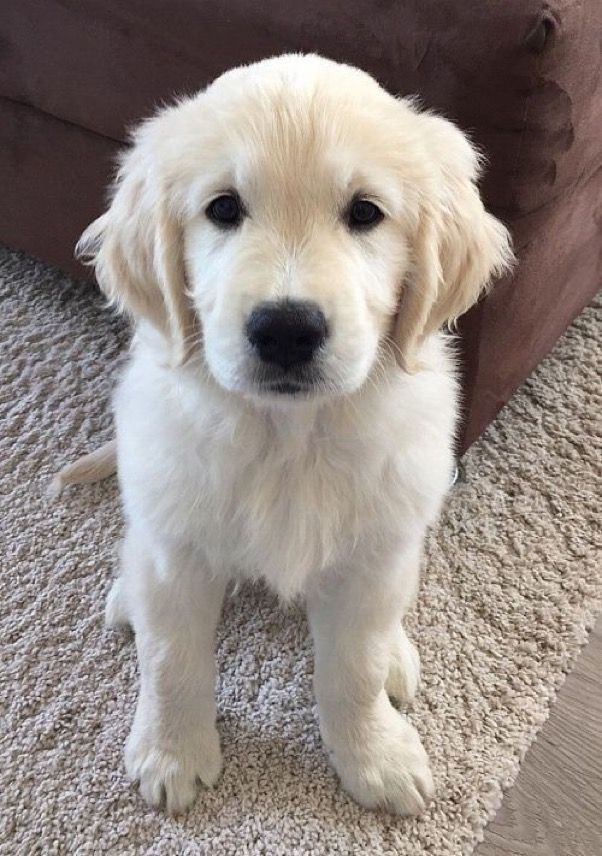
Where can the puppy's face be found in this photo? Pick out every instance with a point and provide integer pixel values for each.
(295, 221)
(297, 249)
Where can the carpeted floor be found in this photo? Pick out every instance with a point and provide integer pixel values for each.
(511, 586)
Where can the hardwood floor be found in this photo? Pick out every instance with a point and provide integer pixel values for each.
(555, 807)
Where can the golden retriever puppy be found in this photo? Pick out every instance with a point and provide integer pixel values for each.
(289, 243)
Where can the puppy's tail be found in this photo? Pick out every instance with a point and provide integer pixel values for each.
(96, 466)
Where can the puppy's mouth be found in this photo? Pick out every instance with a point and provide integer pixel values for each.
(284, 388)
(297, 383)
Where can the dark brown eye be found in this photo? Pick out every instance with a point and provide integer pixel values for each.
(364, 214)
(226, 211)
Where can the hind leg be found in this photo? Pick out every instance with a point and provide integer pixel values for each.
(116, 610)
(404, 669)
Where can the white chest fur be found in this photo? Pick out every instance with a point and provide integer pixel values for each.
(283, 492)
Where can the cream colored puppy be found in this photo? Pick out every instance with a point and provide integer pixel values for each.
(289, 243)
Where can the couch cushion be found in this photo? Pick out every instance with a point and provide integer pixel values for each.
(522, 76)
(53, 177)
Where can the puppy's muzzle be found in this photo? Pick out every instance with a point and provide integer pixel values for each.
(287, 334)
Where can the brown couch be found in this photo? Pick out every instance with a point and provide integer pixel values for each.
(524, 77)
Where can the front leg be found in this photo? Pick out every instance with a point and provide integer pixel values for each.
(174, 606)
(374, 749)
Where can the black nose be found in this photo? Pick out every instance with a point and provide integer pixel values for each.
(287, 333)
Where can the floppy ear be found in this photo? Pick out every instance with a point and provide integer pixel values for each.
(136, 247)
(457, 246)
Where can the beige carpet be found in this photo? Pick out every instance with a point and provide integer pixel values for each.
(511, 587)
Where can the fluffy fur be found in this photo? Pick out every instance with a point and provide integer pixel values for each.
(327, 494)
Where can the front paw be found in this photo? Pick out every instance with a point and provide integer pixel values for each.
(169, 776)
(388, 768)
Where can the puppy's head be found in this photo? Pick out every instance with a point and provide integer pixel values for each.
(293, 221)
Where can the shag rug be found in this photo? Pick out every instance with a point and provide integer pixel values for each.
(510, 588)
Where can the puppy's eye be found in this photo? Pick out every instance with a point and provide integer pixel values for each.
(364, 214)
(226, 210)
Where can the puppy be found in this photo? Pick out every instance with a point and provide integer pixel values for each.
(289, 243)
